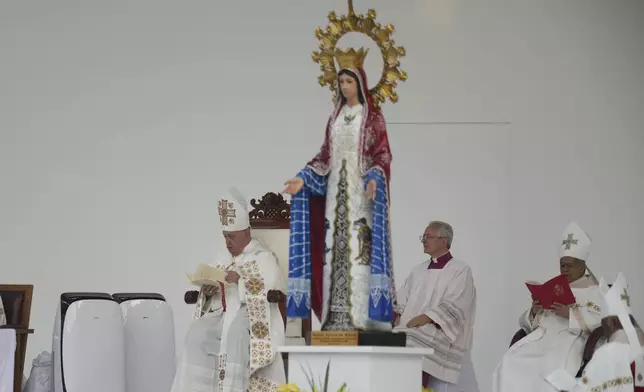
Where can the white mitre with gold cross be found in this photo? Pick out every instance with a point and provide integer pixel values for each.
(575, 242)
(233, 211)
(615, 301)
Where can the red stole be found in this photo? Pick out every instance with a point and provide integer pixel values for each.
(223, 296)
(317, 206)
(635, 375)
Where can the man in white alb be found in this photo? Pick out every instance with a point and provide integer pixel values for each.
(231, 347)
(555, 338)
(619, 364)
(437, 308)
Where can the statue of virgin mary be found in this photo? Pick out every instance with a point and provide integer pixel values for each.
(340, 262)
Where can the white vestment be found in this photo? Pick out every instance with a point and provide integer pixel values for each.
(3, 316)
(610, 369)
(552, 343)
(240, 344)
(448, 297)
(7, 353)
(200, 355)
(348, 218)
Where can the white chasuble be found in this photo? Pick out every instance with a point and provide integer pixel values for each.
(251, 327)
(448, 297)
(7, 354)
(610, 369)
(552, 343)
(348, 222)
(7, 351)
(3, 316)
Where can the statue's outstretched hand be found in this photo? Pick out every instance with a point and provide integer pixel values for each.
(293, 185)
(370, 193)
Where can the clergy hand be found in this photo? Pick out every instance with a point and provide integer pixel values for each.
(396, 319)
(561, 310)
(293, 185)
(419, 321)
(232, 277)
(536, 307)
(210, 290)
(370, 193)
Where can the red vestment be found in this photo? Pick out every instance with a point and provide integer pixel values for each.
(635, 378)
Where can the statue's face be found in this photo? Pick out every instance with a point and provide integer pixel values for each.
(348, 86)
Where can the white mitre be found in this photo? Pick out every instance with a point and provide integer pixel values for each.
(575, 242)
(615, 301)
(233, 211)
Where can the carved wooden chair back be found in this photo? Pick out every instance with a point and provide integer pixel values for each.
(270, 220)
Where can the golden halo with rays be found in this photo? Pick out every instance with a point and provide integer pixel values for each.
(381, 35)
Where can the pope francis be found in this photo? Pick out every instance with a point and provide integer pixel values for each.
(231, 344)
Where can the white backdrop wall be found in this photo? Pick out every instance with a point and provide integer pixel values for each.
(121, 124)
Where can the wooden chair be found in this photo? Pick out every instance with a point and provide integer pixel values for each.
(518, 336)
(589, 348)
(17, 305)
(270, 220)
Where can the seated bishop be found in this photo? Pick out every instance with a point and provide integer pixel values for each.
(617, 365)
(231, 345)
(555, 337)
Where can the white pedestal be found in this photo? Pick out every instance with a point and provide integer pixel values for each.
(362, 368)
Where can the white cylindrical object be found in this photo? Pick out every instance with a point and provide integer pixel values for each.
(149, 342)
(88, 344)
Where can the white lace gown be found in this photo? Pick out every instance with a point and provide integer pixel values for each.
(348, 222)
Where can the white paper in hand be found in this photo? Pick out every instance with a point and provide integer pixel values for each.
(561, 380)
(207, 275)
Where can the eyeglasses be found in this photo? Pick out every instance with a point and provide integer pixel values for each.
(424, 238)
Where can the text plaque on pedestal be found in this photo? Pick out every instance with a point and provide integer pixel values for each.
(334, 338)
(362, 368)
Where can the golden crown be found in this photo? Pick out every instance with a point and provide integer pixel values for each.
(351, 58)
(381, 34)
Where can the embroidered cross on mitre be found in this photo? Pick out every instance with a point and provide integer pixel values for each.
(569, 241)
(226, 212)
(625, 297)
